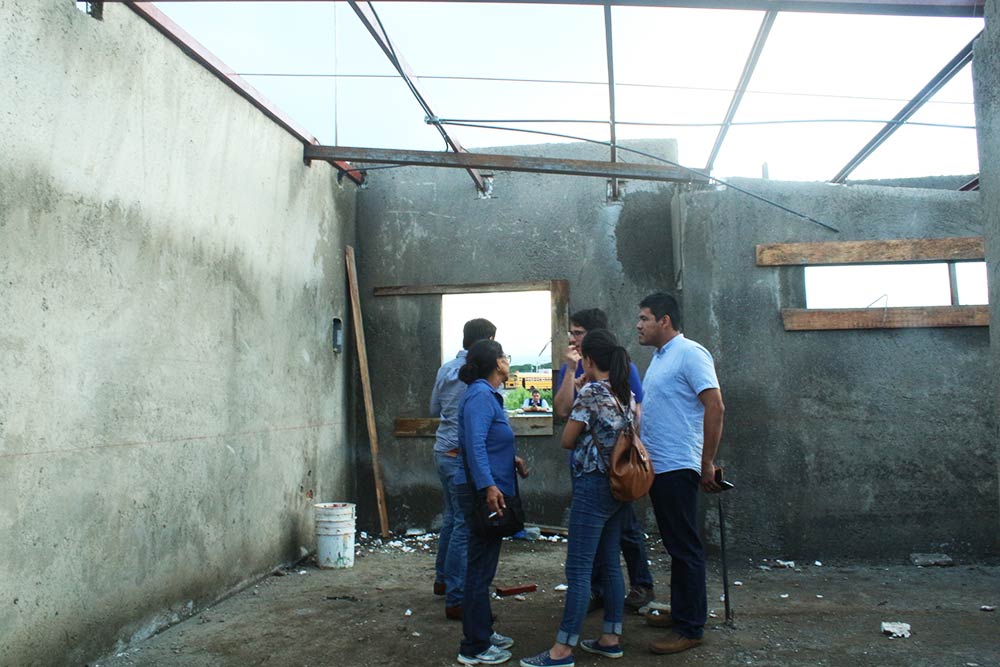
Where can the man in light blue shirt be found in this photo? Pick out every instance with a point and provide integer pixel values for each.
(681, 427)
(445, 398)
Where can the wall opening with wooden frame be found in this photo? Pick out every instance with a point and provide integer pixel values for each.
(523, 425)
(947, 251)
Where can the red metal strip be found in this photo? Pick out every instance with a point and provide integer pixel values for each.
(195, 50)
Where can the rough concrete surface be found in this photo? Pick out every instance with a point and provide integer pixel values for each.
(420, 226)
(831, 616)
(853, 443)
(169, 270)
(986, 78)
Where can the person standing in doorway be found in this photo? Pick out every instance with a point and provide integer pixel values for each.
(449, 578)
(633, 542)
(681, 428)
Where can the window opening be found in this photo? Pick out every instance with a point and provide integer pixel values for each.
(95, 8)
(524, 328)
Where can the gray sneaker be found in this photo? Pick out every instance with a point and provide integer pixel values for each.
(638, 597)
(491, 656)
(501, 641)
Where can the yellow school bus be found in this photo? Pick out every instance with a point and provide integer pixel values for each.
(540, 380)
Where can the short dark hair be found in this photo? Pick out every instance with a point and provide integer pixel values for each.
(481, 360)
(660, 304)
(589, 319)
(477, 330)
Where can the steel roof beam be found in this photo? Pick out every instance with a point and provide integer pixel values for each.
(741, 88)
(541, 165)
(954, 66)
(370, 19)
(954, 8)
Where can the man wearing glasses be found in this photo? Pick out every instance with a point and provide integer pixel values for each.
(633, 543)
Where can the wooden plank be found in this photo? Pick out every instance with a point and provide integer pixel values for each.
(872, 252)
(426, 427)
(366, 387)
(467, 288)
(560, 326)
(797, 319)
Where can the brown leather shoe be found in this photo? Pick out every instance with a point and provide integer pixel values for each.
(673, 643)
(661, 619)
(453, 613)
(439, 588)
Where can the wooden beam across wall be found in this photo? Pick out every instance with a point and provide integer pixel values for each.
(872, 252)
(466, 288)
(426, 427)
(800, 319)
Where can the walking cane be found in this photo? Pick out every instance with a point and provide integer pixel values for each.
(726, 485)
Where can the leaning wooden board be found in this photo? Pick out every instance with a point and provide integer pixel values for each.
(366, 387)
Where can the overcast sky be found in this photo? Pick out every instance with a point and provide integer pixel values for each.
(671, 66)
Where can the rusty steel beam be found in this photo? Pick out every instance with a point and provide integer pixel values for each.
(194, 49)
(952, 8)
(954, 66)
(370, 19)
(542, 165)
(741, 87)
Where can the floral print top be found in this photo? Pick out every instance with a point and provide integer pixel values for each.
(597, 408)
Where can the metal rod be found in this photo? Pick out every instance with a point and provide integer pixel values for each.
(725, 569)
(371, 21)
(741, 88)
(609, 47)
(953, 283)
(954, 66)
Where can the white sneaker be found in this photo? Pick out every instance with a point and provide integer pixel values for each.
(501, 641)
(491, 656)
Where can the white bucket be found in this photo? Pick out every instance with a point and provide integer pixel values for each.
(334, 535)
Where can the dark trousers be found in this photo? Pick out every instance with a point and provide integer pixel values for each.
(633, 545)
(483, 554)
(675, 502)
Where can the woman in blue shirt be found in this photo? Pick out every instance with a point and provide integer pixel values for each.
(598, 415)
(489, 462)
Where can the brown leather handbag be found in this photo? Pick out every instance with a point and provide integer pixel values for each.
(630, 471)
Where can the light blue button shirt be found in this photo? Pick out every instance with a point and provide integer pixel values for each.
(448, 391)
(673, 419)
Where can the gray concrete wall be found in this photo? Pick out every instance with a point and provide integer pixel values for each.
(843, 443)
(169, 269)
(986, 77)
(427, 226)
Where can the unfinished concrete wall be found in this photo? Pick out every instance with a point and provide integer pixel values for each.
(851, 444)
(859, 443)
(986, 76)
(421, 226)
(169, 269)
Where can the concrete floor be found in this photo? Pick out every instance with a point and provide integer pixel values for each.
(814, 615)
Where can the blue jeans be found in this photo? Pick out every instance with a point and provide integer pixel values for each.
(633, 546)
(675, 502)
(453, 542)
(595, 527)
(484, 554)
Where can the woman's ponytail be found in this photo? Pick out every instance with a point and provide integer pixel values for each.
(602, 348)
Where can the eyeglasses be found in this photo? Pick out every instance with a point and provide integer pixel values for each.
(507, 357)
(577, 333)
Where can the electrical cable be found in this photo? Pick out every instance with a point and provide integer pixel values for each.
(790, 121)
(697, 172)
(618, 84)
(409, 84)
